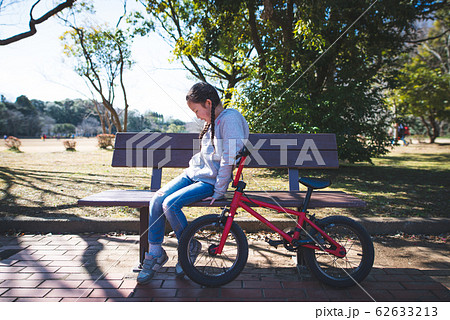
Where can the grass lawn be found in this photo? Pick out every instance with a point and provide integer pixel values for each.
(46, 181)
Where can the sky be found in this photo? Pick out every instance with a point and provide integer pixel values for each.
(37, 68)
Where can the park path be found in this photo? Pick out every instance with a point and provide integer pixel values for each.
(98, 267)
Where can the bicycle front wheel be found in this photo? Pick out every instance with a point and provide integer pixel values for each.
(358, 261)
(196, 256)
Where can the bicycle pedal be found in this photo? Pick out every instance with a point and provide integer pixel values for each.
(274, 243)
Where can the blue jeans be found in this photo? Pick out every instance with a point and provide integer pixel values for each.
(167, 203)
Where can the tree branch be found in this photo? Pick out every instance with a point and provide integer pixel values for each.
(430, 38)
(34, 22)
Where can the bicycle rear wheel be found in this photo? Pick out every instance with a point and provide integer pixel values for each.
(205, 267)
(358, 261)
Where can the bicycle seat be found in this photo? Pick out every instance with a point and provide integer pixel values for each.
(314, 183)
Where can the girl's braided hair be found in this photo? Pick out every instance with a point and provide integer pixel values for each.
(199, 93)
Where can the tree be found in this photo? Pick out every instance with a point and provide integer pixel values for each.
(64, 129)
(424, 80)
(102, 54)
(310, 66)
(33, 21)
(212, 42)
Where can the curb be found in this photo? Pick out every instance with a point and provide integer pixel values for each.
(432, 226)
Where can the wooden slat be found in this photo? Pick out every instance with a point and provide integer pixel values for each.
(141, 198)
(263, 159)
(188, 141)
(268, 150)
(146, 140)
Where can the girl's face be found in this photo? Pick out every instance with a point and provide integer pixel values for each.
(202, 111)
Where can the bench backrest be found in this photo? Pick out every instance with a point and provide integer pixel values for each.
(268, 150)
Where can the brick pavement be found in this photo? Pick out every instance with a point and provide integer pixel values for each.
(93, 267)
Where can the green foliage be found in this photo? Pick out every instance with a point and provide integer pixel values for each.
(105, 47)
(297, 66)
(66, 116)
(64, 129)
(424, 80)
(101, 54)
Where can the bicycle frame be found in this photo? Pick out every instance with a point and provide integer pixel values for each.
(239, 201)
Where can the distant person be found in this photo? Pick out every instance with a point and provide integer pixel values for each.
(5, 137)
(402, 133)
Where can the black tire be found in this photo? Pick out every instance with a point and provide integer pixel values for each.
(346, 271)
(208, 269)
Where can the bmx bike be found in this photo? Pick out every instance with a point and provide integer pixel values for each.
(213, 249)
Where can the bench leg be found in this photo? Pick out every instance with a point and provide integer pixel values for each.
(143, 233)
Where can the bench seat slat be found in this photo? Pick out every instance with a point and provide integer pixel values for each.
(180, 159)
(141, 198)
(186, 141)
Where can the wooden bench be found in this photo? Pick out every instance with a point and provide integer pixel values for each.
(174, 150)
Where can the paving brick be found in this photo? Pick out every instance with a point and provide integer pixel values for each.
(101, 284)
(381, 295)
(26, 292)
(10, 299)
(261, 284)
(151, 293)
(442, 294)
(413, 295)
(395, 285)
(48, 276)
(68, 293)
(84, 300)
(285, 293)
(241, 293)
(302, 285)
(12, 276)
(314, 296)
(132, 299)
(179, 283)
(82, 276)
(131, 284)
(26, 257)
(72, 284)
(8, 262)
(111, 293)
(49, 252)
(8, 269)
(427, 285)
(75, 269)
(41, 269)
(38, 299)
(160, 299)
(66, 263)
(392, 277)
(234, 284)
(31, 264)
(198, 292)
(58, 257)
(20, 283)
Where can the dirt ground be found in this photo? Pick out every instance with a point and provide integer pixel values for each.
(54, 145)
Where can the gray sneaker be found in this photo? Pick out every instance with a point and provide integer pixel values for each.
(194, 250)
(150, 265)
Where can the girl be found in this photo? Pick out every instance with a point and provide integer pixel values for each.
(206, 178)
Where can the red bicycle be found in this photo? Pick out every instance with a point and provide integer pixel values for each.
(213, 249)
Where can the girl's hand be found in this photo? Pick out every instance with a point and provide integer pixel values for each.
(210, 199)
